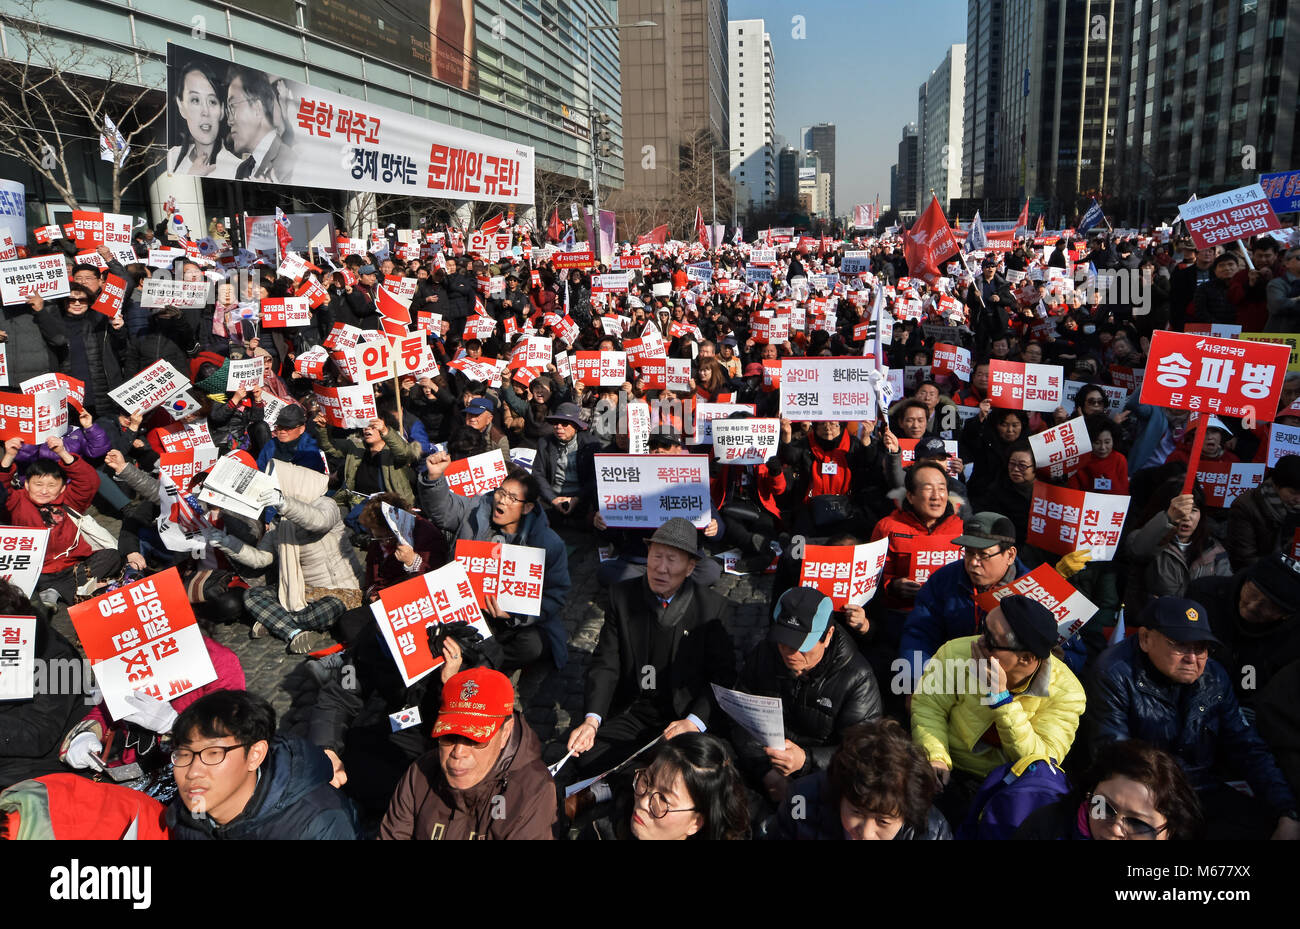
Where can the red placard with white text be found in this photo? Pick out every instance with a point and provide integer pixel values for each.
(1071, 608)
(404, 612)
(111, 294)
(600, 369)
(511, 573)
(951, 359)
(282, 312)
(1017, 386)
(469, 477)
(1064, 520)
(928, 557)
(1231, 377)
(1223, 481)
(143, 636)
(33, 417)
(846, 574)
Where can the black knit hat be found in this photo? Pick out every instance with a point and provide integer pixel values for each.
(1031, 623)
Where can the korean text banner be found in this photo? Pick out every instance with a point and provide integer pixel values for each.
(328, 140)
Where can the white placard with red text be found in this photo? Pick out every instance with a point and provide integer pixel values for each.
(1071, 608)
(745, 441)
(815, 389)
(478, 474)
(1059, 449)
(846, 574)
(1033, 387)
(1064, 520)
(514, 574)
(404, 612)
(22, 555)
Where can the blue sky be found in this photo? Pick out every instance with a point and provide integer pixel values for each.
(859, 67)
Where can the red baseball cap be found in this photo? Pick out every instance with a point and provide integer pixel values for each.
(474, 704)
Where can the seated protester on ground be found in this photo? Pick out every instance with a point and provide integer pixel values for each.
(237, 780)
(824, 684)
(511, 515)
(992, 699)
(486, 778)
(391, 560)
(1256, 615)
(478, 422)
(878, 786)
(1278, 719)
(631, 545)
(945, 606)
(1011, 493)
(1103, 469)
(838, 481)
(54, 495)
(139, 737)
(688, 788)
(294, 440)
(986, 441)
(1264, 519)
(89, 441)
(1132, 791)
(565, 465)
(1172, 548)
(1162, 687)
(31, 730)
(318, 575)
(663, 643)
(377, 461)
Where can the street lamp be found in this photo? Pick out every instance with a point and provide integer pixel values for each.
(591, 102)
(713, 178)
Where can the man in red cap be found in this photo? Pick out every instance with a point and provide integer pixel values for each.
(486, 778)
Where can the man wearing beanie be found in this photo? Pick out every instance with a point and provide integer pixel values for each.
(1162, 687)
(1255, 615)
(994, 698)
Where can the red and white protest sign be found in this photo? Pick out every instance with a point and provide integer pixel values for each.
(404, 611)
(907, 448)
(706, 413)
(477, 474)
(22, 555)
(563, 260)
(45, 276)
(347, 407)
(771, 374)
(1223, 481)
(841, 389)
(411, 355)
(159, 294)
(150, 388)
(184, 437)
(1231, 377)
(17, 657)
(645, 491)
(1017, 386)
(600, 369)
(533, 351)
(1227, 217)
(846, 574)
(143, 637)
(182, 466)
(76, 390)
(643, 350)
(928, 556)
(1130, 379)
(373, 361)
(91, 230)
(951, 359)
(511, 573)
(313, 293)
(111, 294)
(1071, 608)
(283, 312)
(1064, 520)
(33, 417)
(342, 336)
(1059, 449)
(311, 363)
(244, 374)
(744, 441)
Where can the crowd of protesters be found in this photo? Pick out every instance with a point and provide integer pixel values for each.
(1174, 713)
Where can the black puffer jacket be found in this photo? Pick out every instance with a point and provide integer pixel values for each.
(1264, 648)
(819, 817)
(840, 691)
(293, 800)
(31, 731)
(1200, 724)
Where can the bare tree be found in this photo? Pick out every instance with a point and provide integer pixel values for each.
(692, 184)
(57, 91)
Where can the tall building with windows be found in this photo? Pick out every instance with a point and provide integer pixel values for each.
(787, 169)
(753, 115)
(1211, 95)
(941, 108)
(906, 196)
(983, 92)
(821, 139)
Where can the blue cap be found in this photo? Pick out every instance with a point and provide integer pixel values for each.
(480, 405)
(800, 618)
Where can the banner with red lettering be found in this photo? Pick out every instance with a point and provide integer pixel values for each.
(928, 556)
(1223, 481)
(951, 359)
(1071, 608)
(511, 573)
(600, 369)
(1031, 387)
(22, 555)
(477, 474)
(143, 636)
(846, 574)
(405, 611)
(33, 417)
(283, 312)
(1229, 216)
(645, 491)
(745, 441)
(1063, 520)
(1231, 377)
(1059, 449)
(45, 276)
(347, 407)
(842, 389)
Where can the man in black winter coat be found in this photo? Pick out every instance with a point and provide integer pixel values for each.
(824, 683)
(1160, 686)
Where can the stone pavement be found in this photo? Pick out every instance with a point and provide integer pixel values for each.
(551, 700)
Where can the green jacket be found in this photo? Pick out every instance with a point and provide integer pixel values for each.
(394, 465)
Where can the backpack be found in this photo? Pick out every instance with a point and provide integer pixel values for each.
(1009, 794)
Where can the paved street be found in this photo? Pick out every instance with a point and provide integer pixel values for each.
(551, 699)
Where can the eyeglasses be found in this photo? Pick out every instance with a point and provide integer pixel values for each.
(211, 756)
(986, 640)
(658, 802)
(1019, 466)
(507, 496)
(1187, 648)
(976, 555)
(1102, 810)
(233, 104)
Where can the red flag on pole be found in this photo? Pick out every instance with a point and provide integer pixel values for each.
(701, 233)
(1022, 221)
(554, 229)
(928, 243)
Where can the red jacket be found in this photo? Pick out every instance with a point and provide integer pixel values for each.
(1111, 470)
(64, 548)
(907, 534)
(768, 486)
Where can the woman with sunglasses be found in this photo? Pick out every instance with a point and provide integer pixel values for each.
(689, 789)
(1132, 791)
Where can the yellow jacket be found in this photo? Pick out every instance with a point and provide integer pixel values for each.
(949, 717)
